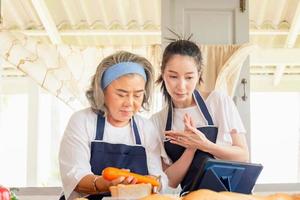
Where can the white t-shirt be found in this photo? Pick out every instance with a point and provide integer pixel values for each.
(75, 148)
(222, 109)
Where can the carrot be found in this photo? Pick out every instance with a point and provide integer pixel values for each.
(111, 173)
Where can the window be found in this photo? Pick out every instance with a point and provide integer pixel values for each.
(275, 138)
(13, 129)
(31, 125)
(275, 128)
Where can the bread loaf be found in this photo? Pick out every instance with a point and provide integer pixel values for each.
(239, 196)
(204, 194)
(296, 196)
(279, 196)
(131, 191)
(160, 197)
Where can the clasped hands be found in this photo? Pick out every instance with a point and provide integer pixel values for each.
(190, 138)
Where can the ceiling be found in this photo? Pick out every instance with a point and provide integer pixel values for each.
(274, 26)
(85, 22)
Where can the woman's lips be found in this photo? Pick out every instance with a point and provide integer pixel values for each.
(125, 112)
(180, 94)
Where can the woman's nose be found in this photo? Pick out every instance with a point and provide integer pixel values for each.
(181, 84)
(129, 100)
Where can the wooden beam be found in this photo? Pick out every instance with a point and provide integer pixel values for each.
(260, 32)
(32, 133)
(70, 18)
(88, 18)
(261, 12)
(278, 56)
(16, 15)
(264, 83)
(271, 70)
(89, 32)
(290, 42)
(47, 21)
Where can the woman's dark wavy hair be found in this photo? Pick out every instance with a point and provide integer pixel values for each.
(182, 47)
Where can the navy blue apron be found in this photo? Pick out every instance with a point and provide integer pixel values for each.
(105, 154)
(175, 151)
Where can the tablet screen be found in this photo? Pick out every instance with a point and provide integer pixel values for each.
(219, 175)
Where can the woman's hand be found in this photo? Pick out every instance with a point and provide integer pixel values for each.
(191, 138)
(156, 189)
(123, 180)
(103, 184)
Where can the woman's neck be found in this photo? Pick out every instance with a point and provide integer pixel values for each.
(185, 104)
(115, 122)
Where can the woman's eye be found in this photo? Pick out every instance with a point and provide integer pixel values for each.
(173, 76)
(189, 78)
(138, 95)
(121, 95)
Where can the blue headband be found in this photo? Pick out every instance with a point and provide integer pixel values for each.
(120, 69)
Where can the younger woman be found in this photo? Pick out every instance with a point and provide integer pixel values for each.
(194, 124)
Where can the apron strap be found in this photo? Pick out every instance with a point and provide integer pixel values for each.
(100, 127)
(136, 132)
(101, 124)
(201, 105)
(169, 118)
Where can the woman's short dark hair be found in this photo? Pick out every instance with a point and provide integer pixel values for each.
(184, 48)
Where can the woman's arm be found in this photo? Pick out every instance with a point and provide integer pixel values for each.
(93, 184)
(238, 151)
(229, 121)
(154, 150)
(178, 169)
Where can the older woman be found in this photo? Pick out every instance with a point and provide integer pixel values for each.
(109, 133)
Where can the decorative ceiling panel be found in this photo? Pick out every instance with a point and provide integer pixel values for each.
(272, 21)
(86, 22)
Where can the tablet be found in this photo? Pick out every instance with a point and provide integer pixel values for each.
(220, 175)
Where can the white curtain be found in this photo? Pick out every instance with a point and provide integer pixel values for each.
(222, 65)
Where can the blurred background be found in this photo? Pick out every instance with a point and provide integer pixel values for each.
(50, 48)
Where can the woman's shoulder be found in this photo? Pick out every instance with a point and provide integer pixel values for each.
(217, 97)
(81, 124)
(160, 114)
(142, 121)
(84, 114)
(147, 128)
(216, 94)
(159, 118)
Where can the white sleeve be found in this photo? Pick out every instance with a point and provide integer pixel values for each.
(74, 154)
(153, 149)
(159, 121)
(226, 114)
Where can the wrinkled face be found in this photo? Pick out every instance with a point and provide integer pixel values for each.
(181, 77)
(123, 98)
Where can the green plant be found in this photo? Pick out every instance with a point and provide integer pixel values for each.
(13, 196)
